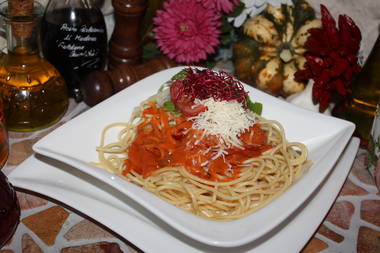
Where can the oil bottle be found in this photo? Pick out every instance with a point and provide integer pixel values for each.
(361, 108)
(33, 91)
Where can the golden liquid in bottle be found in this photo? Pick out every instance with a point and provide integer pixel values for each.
(366, 94)
(33, 92)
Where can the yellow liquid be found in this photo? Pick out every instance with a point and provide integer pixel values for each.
(33, 92)
(362, 114)
(366, 94)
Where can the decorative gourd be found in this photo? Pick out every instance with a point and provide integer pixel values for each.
(272, 47)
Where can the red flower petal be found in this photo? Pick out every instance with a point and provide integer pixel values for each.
(186, 31)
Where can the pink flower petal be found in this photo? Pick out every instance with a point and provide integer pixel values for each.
(186, 31)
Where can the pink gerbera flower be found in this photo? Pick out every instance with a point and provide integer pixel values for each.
(186, 31)
(226, 6)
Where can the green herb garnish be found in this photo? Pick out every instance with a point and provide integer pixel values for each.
(255, 107)
(180, 75)
(170, 107)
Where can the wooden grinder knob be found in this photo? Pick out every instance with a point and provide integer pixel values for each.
(99, 85)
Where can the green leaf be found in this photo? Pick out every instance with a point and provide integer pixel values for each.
(225, 39)
(180, 75)
(151, 50)
(255, 107)
(169, 106)
(226, 27)
(237, 10)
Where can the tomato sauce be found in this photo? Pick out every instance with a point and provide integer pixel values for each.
(161, 145)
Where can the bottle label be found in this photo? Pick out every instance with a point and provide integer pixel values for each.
(75, 41)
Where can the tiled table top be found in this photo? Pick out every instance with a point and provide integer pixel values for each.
(352, 224)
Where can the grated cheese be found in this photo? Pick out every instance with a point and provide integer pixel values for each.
(226, 120)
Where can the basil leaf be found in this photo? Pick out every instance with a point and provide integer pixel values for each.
(179, 75)
(169, 106)
(255, 107)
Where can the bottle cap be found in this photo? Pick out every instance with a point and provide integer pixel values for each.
(20, 7)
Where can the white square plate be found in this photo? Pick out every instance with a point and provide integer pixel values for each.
(108, 206)
(74, 143)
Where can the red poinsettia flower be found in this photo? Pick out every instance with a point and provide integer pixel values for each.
(186, 31)
(331, 58)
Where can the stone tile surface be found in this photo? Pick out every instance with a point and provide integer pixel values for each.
(29, 245)
(368, 240)
(28, 201)
(370, 211)
(86, 230)
(47, 223)
(341, 214)
(315, 245)
(328, 233)
(352, 189)
(99, 247)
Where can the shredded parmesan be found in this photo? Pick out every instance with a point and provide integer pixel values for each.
(226, 120)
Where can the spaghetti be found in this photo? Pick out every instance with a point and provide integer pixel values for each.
(198, 167)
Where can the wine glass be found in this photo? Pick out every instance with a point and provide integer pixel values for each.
(9, 206)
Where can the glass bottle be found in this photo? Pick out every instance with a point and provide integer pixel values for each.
(33, 91)
(361, 109)
(74, 39)
(9, 205)
(9, 210)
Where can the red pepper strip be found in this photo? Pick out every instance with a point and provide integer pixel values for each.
(303, 75)
(348, 76)
(325, 76)
(329, 24)
(347, 25)
(315, 47)
(339, 87)
(345, 34)
(325, 100)
(315, 64)
(328, 62)
(341, 65)
(317, 91)
(316, 44)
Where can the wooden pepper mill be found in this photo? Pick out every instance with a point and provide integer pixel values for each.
(100, 85)
(125, 45)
